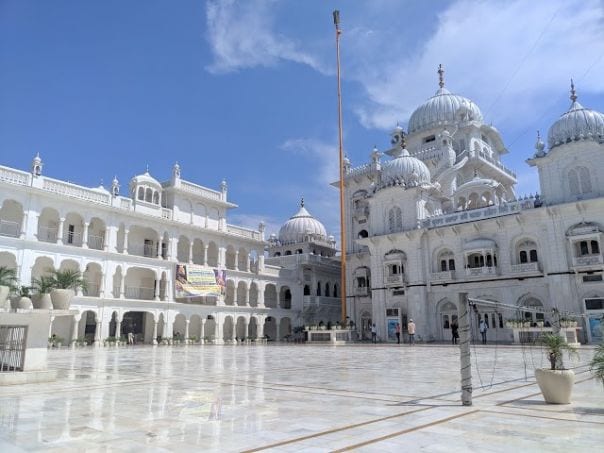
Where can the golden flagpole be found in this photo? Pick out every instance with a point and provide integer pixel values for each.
(336, 21)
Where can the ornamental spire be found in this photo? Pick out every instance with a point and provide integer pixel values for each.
(573, 93)
(302, 202)
(441, 76)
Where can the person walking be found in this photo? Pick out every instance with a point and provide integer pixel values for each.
(411, 331)
(130, 338)
(398, 333)
(373, 333)
(454, 332)
(483, 330)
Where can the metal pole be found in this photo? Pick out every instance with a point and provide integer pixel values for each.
(336, 21)
(464, 350)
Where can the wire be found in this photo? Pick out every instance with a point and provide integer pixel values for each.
(521, 63)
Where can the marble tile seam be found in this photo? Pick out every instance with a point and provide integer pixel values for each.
(334, 430)
(521, 414)
(405, 431)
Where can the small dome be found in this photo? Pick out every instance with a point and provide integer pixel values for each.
(299, 226)
(578, 123)
(405, 168)
(101, 189)
(145, 179)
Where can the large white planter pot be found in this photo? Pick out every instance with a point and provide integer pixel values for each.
(24, 303)
(556, 385)
(42, 301)
(61, 298)
(4, 302)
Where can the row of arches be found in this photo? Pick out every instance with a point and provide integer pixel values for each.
(151, 328)
(75, 230)
(326, 289)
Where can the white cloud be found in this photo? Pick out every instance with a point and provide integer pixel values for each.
(241, 35)
(486, 46)
(320, 197)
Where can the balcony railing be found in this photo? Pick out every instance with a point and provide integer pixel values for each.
(395, 279)
(146, 250)
(74, 239)
(10, 229)
(525, 267)
(588, 260)
(96, 242)
(116, 292)
(445, 275)
(133, 292)
(47, 234)
(480, 271)
(361, 291)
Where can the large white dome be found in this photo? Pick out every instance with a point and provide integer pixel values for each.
(442, 109)
(145, 179)
(299, 226)
(405, 168)
(578, 123)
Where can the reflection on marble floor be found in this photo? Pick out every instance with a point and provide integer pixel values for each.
(297, 398)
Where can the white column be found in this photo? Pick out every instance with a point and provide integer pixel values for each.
(52, 318)
(60, 231)
(74, 329)
(169, 249)
(123, 285)
(246, 328)
(234, 331)
(277, 325)
(260, 329)
(23, 232)
(260, 297)
(85, 235)
(97, 330)
(219, 331)
(156, 295)
(191, 252)
(126, 231)
(106, 239)
(247, 264)
(118, 328)
(237, 260)
(155, 323)
(205, 255)
(202, 330)
(187, 322)
(261, 263)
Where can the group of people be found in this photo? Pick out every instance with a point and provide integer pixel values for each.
(483, 329)
(410, 332)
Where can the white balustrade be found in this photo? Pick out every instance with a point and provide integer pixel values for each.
(47, 234)
(142, 293)
(96, 242)
(588, 260)
(10, 229)
(525, 267)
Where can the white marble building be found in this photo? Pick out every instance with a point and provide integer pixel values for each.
(304, 248)
(440, 216)
(127, 248)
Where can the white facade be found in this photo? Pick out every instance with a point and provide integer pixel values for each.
(304, 248)
(127, 248)
(441, 217)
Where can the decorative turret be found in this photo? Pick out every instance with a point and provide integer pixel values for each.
(224, 189)
(176, 171)
(36, 165)
(115, 187)
(539, 146)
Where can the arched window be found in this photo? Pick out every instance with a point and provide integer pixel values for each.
(327, 291)
(288, 252)
(141, 193)
(277, 254)
(527, 252)
(335, 290)
(306, 290)
(318, 288)
(395, 220)
(363, 234)
(148, 195)
(579, 181)
(156, 197)
(299, 251)
(595, 247)
(446, 261)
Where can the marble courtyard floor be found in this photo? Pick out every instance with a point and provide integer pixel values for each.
(302, 398)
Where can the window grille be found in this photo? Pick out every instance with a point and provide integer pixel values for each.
(12, 347)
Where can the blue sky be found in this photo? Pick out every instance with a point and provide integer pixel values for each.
(245, 90)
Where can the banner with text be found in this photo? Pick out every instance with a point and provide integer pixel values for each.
(195, 281)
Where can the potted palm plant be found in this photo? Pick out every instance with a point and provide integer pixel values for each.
(64, 285)
(43, 286)
(597, 363)
(8, 278)
(556, 383)
(23, 301)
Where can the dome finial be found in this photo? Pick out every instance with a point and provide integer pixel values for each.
(441, 76)
(403, 140)
(147, 169)
(302, 202)
(573, 93)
